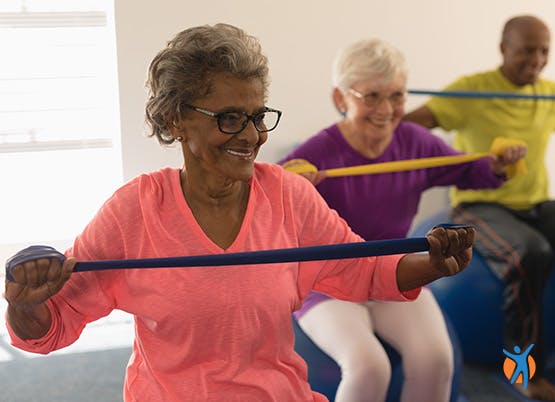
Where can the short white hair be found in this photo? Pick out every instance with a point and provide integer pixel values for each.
(367, 59)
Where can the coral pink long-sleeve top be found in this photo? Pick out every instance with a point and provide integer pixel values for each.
(211, 333)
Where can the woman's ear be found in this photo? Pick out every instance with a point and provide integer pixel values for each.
(339, 101)
(176, 131)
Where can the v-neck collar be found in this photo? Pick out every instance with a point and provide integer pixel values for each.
(239, 241)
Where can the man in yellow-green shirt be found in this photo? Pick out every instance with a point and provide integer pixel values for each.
(516, 222)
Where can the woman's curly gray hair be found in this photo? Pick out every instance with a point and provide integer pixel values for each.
(182, 72)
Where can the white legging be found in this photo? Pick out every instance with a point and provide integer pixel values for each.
(345, 331)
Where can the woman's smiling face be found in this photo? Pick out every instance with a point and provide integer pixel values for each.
(374, 109)
(215, 153)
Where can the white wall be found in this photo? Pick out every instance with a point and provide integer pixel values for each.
(441, 40)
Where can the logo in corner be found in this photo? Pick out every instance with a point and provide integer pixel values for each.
(519, 367)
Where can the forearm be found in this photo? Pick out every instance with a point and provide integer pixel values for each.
(29, 323)
(422, 116)
(415, 270)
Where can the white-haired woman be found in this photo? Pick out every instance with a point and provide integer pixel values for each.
(369, 79)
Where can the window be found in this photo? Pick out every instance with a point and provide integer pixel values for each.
(59, 118)
(60, 156)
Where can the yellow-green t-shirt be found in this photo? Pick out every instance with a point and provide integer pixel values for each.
(477, 121)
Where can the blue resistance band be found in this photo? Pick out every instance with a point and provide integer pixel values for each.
(472, 94)
(312, 253)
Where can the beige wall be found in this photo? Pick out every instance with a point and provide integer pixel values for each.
(441, 40)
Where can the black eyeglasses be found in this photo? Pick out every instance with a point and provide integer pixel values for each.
(234, 122)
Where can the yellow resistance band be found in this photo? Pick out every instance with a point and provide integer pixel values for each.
(498, 147)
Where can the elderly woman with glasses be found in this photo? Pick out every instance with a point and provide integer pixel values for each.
(212, 333)
(369, 80)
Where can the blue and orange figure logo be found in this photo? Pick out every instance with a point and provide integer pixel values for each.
(519, 367)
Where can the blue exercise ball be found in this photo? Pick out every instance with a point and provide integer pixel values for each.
(324, 374)
(473, 301)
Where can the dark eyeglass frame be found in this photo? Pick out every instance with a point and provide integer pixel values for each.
(249, 117)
